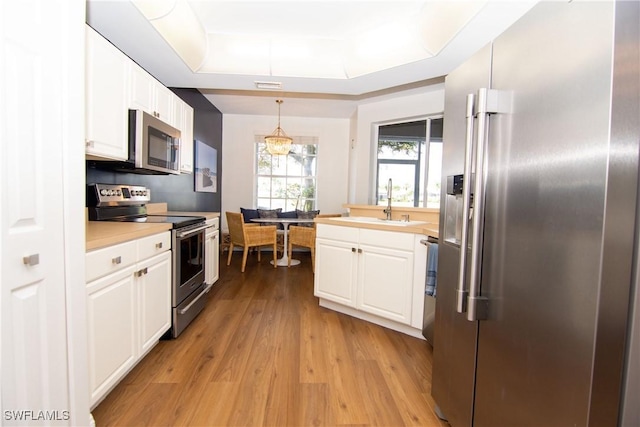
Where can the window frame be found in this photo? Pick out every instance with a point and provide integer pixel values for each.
(306, 203)
(421, 179)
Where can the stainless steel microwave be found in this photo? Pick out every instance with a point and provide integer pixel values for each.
(154, 148)
(153, 144)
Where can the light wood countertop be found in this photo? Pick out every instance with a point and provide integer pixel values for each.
(428, 216)
(161, 209)
(100, 234)
(425, 228)
(207, 215)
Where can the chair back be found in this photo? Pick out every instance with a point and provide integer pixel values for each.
(235, 221)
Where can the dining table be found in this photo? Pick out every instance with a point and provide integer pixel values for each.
(284, 260)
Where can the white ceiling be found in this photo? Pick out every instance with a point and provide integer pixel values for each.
(311, 47)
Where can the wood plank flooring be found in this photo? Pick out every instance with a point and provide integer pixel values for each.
(263, 353)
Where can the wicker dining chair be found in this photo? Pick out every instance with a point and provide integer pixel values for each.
(306, 237)
(248, 236)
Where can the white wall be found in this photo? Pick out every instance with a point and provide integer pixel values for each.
(345, 168)
(368, 116)
(238, 154)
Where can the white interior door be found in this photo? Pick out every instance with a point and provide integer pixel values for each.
(34, 130)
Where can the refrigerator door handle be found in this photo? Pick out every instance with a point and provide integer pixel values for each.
(461, 291)
(488, 102)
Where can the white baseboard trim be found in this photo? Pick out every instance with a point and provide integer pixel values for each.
(389, 324)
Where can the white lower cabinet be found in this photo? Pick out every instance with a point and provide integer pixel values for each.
(372, 274)
(128, 307)
(154, 299)
(111, 312)
(385, 282)
(336, 269)
(212, 252)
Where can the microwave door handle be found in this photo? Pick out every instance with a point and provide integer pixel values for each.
(188, 233)
(461, 292)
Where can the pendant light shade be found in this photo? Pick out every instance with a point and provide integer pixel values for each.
(278, 143)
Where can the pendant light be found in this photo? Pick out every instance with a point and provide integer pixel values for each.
(278, 143)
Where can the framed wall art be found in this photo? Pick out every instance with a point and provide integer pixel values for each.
(206, 161)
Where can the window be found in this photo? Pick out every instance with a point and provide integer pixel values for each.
(287, 182)
(410, 154)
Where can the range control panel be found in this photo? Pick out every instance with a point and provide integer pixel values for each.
(99, 195)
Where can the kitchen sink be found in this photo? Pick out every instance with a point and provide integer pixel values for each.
(381, 221)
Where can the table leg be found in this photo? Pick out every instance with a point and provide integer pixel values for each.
(284, 261)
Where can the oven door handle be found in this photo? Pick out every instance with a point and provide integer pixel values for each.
(185, 309)
(187, 233)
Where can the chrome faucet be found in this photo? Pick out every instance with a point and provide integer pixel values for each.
(388, 210)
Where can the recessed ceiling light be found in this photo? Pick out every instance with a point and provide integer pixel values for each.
(269, 85)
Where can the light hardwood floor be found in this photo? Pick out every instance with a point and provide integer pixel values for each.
(263, 353)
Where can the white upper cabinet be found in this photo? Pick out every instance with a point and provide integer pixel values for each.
(114, 85)
(106, 92)
(150, 96)
(183, 113)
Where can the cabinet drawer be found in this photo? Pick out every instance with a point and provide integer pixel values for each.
(336, 232)
(108, 260)
(387, 239)
(153, 245)
(213, 224)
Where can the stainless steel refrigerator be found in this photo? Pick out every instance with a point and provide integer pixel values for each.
(541, 147)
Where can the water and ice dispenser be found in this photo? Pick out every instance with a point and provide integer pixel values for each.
(453, 209)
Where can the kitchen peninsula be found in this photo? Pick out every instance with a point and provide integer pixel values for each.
(374, 269)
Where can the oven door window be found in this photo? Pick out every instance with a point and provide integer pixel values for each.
(191, 257)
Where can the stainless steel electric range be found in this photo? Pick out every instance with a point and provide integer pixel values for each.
(127, 203)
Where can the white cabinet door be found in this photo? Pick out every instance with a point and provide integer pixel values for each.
(183, 115)
(149, 95)
(154, 298)
(336, 271)
(128, 306)
(211, 253)
(111, 318)
(164, 99)
(142, 90)
(385, 282)
(106, 93)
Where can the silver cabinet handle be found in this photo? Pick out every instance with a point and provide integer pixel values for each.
(359, 250)
(142, 272)
(116, 260)
(159, 245)
(353, 250)
(461, 292)
(477, 306)
(31, 260)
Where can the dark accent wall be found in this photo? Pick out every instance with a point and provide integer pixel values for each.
(178, 191)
